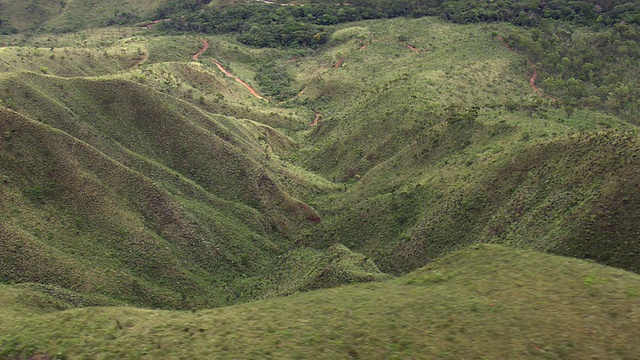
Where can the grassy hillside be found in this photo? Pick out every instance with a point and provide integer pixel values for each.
(418, 154)
(482, 302)
(132, 174)
(178, 198)
(438, 148)
(56, 16)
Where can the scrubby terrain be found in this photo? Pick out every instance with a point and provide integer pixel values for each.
(374, 186)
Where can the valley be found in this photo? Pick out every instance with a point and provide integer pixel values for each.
(396, 188)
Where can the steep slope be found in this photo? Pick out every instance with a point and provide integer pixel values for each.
(385, 90)
(484, 301)
(445, 149)
(186, 206)
(422, 147)
(574, 195)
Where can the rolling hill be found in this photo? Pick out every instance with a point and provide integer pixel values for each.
(485, 301)
(134, 176)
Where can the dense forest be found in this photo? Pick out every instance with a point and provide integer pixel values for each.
(586, 68)
(271, 24)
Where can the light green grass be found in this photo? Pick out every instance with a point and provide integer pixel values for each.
(482, 302)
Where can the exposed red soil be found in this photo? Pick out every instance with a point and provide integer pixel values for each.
(298, 94)
(315, 121)
(339, 62)
(205, 46)
(532, 80)
(413, 48)
(251, 90)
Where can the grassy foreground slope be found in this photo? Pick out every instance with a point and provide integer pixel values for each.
(482, 302)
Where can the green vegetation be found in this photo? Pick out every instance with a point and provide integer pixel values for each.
(411, 165)
(593, 69)
(71, 15)
(483, 302)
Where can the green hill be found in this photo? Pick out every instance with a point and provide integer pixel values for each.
(122, 170)
(70, 15)
(135, 175)
(481, 302)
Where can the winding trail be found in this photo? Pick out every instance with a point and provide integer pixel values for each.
(412, 48)
(205, 46)
(315, 121)
(251, 90)
(534, 76)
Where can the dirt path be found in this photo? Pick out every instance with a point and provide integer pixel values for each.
(148, 26)
(534, 76)
(205, 46)
(315, 121)
(411, 47)
(251, 90)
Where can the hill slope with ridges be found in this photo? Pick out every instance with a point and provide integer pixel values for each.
(176, 197)
(147, 178)
(484, 301)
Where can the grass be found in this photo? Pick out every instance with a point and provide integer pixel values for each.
(71, 15)
(141, 177)
(484, 301)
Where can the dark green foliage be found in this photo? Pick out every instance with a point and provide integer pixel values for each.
(175, 8)
(275, 81)
(271, 25)
(530, 12)
(593, 69)
(264, 25)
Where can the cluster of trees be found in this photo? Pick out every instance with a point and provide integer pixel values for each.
(596, 69)
(531, 12)
(124, 18)
(268, 25)
(275, 81)
(274, 25)
(178, 7)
